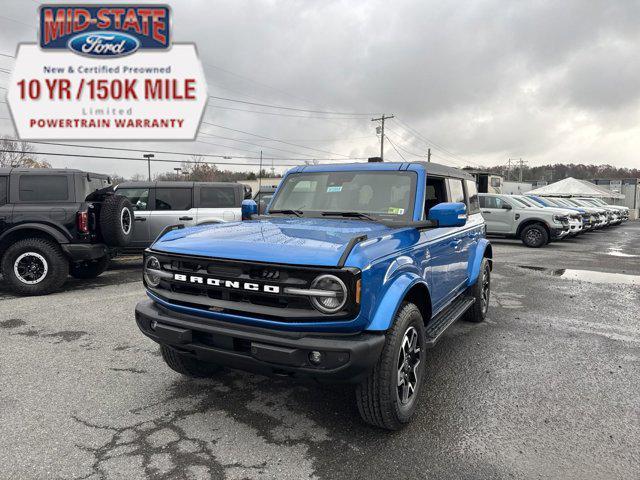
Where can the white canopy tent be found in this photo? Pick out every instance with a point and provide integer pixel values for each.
(572, 187)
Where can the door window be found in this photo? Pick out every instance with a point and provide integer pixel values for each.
(217, 197)
(3, 190)
(473, 205)
(173, 198)
(491, 202)
(456, 192)
(139, 197)
(41, 188)
(434, 193)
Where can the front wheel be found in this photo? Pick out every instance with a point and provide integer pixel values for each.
(534, 236)
(388, 397)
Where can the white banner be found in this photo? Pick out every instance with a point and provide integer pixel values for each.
(151, 95)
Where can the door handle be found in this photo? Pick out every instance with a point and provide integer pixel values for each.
(184, 219)
(140, 219)
(485, 211)
(455, 244)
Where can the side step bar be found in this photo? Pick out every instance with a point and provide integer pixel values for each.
(446, 317)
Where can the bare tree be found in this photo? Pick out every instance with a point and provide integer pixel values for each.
(16, 153)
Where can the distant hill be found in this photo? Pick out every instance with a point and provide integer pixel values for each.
(558, 171)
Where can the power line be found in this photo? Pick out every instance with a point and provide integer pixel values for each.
(275, 140)
(296, 109)
(163, 152)
(110, 157)
(280, 114)
(435, 145)
(394, 147)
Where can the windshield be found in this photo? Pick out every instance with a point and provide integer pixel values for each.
(526, 201)
(535, 202)
(556, 202)
(518, 202)
(388, 194)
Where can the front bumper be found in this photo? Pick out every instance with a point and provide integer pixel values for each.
(559, 232)
(345, 357)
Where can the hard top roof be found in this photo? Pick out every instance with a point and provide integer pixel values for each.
(169, 184)
(9, 170)
(431, 168)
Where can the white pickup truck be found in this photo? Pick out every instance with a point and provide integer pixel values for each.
(507, 216)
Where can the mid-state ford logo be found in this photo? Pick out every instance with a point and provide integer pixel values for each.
(105, 30)
(104, 44)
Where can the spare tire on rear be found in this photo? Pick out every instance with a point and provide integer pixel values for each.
(116, 221)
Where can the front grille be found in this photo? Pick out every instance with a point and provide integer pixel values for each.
(247, 288)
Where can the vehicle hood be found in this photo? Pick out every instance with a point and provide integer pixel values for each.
(296, 241)
(558, 210)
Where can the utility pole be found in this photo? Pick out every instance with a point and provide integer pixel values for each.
(148, 156)
(509, 171)
(521, 162)
(382, 119)
(428, 154)
(260, 172)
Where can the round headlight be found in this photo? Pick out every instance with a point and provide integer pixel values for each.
(335, 297)
(151, 264)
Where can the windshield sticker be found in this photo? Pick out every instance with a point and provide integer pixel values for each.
(396, 211)
(334, 189)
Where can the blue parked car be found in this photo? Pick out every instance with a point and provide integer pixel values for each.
(351, 275)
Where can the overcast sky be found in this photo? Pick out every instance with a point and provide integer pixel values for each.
(481, 82)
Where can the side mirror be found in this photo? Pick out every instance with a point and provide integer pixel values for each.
(452, 214)
(249, 209)
(506, 206)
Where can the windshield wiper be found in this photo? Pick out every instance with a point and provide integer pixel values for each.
(349, 214)
(297, 213)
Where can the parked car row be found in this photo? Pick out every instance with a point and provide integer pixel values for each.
(60, 222)
(539, 220)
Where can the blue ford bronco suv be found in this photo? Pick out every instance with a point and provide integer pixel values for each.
(351, 275)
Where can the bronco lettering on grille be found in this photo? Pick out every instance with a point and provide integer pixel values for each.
(216, 282)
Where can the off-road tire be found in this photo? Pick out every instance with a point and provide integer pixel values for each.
(534, 236)
(114, 212)
(478, 311)
(88, 269)
(57, 266)
(377, 396)
(187, 365)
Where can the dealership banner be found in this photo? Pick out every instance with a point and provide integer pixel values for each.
(107, 72)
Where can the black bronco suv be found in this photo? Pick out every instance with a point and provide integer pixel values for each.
(58, 222)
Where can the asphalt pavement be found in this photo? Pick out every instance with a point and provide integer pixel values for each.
(547, 387)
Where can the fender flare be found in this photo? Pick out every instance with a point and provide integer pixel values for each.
(391, 299)
(527, 221)
(59, 236)
(475, 261)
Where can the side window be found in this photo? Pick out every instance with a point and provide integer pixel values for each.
(435, 193)
(217, 197)
(173, 198)
(491, 202)
(139, 197)
(41, 188)
(473, 205)
(456, 192)
(3, 190)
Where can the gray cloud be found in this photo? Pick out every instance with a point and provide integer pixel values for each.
(545, 80)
